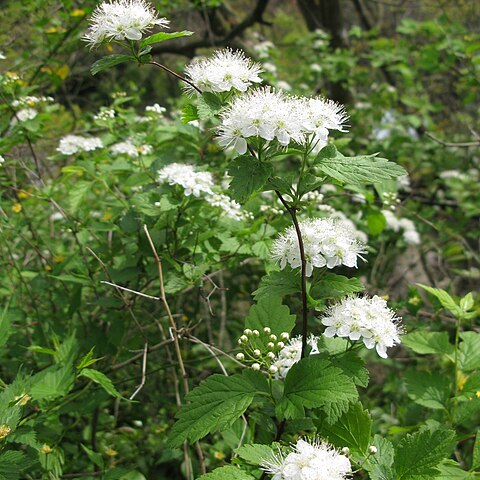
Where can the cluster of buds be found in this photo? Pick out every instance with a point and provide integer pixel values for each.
(390, 200)
(261, 348)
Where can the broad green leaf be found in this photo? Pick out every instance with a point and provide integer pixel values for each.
(53, 382)
(428, 342)
(163, 36)
(466, 410)
(471, 385)
(467, 302)
(444, 298)
(94, 457)
(451, 470)
(417, 455)
(431, 390)
(248, 176)
(380, 465)
(469, 354)
(208, 106)
(476, 452)
(78, 193)
(376, 222)
(87, 360)
(109, 61)
(356, 170)
(12, 464)
(4, 326)
(255, 453)
(332, 285)
(213, 406)
(352, 430)
(315, 383)
(269, 312)
(352, 366)
(228, 472)
(189, 113)
(24, 435)
(102, 380)
(278, 284)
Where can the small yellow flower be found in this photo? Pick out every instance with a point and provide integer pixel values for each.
(160, 429)
(111, 452)
(219, 455)
(386, 297)
(78, 13)
(22, 399)
(23, 194)
(46, 449)
(4, 431)
(17, 208)
(58, 259)
(106, 216)
(184, 318)
(478, 394)
(47, 267)
(414, 301)
(109, 47)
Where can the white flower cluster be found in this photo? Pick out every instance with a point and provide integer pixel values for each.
(224, 71)
(309, 459)
(327, 243)
(125, 148)
(347, 223)
(366, 318)
(230, 207)
(194, 183)
(120, 20)
(23, 115)
(291, 353)
(270, 114)
(410, 234)
(104, 115)
(30, 101)
(155, 109)
(71, 144)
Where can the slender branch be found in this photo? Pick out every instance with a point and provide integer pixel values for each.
(144, 372)
(176, 75)
(293, 213)
(452, 144)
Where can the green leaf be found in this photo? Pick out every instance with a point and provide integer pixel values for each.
(278, 284)
(208, 106)
(213, 406)
(189, 113)
(4, 326)
(352, 430)
(314, 383)
(430, 390)
(87, 360)
(109, 61)
(423, 342)
(269, 312)
(356, 170)
(476, 452)
(467, 302)
(379, 465)
(469, 351)
(417, 455)
(255, 453)
(24, 435)
(451, 470)
(444, 298)
(12, 464)
(53, 382)
(332, 285)
(102, 380)
(376, 222)
(352, 366)
(248, 176)
(78, 193)
(163, 36)
(94, 457)
(228, 472)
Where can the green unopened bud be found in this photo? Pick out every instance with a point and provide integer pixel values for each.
(244, 338)
(345, 450)
(267, 330)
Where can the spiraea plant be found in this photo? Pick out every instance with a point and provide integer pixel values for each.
(293, 400)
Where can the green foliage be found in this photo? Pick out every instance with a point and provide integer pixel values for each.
(109, 61)
(227, 473)
(248, 176)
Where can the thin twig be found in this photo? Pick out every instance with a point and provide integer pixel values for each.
(151, 297)
(144, 372)
(452, 144)
(176, 75)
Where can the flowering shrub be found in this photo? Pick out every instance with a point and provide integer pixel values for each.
(145, 230)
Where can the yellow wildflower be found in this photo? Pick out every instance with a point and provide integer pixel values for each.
(46, 449)
(17, 208)
(111, 452)
(219, 455)
(4, 431)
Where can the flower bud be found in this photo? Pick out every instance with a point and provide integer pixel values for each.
(280, 345)
(256, 333)
(273, 369)
(271, 355)
(257, 352)
(240, 356)
(273, 337)
(267, 330)
(247, 331)
(270, 345)
(284, 336)
(244, 338)
(255, 366)
(372, 449)
(345, 450)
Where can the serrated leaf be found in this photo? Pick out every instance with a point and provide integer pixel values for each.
(24, 435)
(451, 470)
(430, 390)
(314, 383)
(352, 430)
(53, 382)
(476, 452)
(269, 312)
(4, 326)
(417, 455)
(469, 351)
(444, 298)
(101, 379)
(423, 342)
(109, 61)
(332, 285)
(208, 106)
(228, 472)
(356, 170)
(11, 465)
(278, 284)
(248, 176)
(163, 36)
(94, 457)
(379, 465)
(255, 453)
(352, 366)
(213, 406)
(189, 113)
(77, 194)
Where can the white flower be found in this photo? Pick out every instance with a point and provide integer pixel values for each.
(291, 354)
(273, 115)
(125, 148)
(326, 242)
(2, 160)
(2, 56)
(230, 207)
(120, 20)
(145, 149)
(366, 318)
(71, 144)
(155, 109)
(410, 234)
(25, 114)
(194, 183)
(104, 115)
(309, 459)
(224, 71)
(30, 101)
